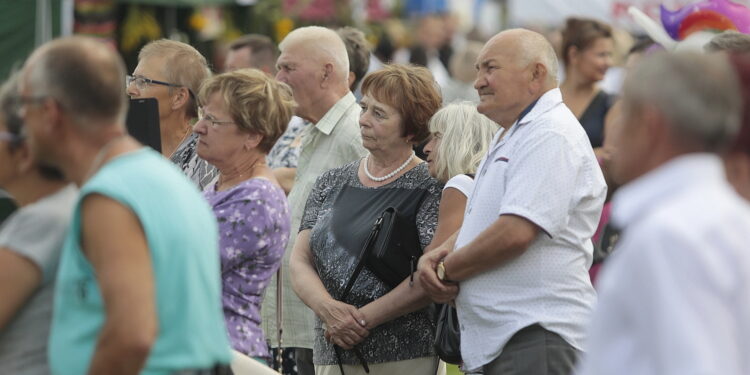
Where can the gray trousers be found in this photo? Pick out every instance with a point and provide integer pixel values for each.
(534, 351)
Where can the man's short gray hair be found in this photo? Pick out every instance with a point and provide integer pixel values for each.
(322, 44)
(535, 48)
(84, 76)
(697, 94)
(729, 41)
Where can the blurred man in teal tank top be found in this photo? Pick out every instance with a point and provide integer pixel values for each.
(138, 288)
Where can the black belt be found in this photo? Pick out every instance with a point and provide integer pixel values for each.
(216, 370)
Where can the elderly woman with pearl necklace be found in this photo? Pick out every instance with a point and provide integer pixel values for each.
(386, 323)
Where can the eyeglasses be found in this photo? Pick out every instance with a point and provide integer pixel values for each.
(142, 82)
(202, 116)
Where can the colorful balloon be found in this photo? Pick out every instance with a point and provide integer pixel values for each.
(708, 14)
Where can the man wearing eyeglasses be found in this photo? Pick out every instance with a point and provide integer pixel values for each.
(172, 72)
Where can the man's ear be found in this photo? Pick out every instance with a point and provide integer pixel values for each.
(327, 74)
(24, 158)
(55, 115)
(539, 72)
(538, 77)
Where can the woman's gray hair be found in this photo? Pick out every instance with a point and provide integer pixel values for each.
(697, 94)
(466, 136)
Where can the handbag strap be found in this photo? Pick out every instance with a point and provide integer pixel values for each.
(279, 327)
(369, 242)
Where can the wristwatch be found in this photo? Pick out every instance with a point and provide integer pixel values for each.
(441, 271)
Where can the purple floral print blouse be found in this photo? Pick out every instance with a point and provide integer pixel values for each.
(253, 232)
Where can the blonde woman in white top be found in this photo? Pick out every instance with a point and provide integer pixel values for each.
(460, 138)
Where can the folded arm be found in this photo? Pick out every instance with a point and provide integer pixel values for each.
(505, 239)
(345, 324)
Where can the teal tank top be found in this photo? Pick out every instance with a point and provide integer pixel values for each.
(182, 236)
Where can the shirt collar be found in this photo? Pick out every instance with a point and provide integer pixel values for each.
(547, 101)
(544, 103)
(633, 200)
(335, 113)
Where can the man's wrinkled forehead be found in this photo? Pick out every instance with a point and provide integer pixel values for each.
(490, 53)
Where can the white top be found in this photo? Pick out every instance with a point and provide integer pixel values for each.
(35, 232)
(674, 295)
(545, 171)
(462, 183)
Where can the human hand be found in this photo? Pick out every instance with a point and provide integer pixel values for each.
(438, 291)
(345, 324)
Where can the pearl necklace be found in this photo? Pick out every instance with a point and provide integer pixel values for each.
(389, 175)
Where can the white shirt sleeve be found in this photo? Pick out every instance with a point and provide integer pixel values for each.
(462, 183)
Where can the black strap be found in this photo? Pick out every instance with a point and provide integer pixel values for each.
(279, 320)
(369, 242)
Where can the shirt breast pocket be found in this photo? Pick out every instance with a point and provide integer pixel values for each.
(490, 186)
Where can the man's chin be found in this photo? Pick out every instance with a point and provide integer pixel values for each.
(483, 107)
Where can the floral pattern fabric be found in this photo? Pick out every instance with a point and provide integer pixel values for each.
(254, 227)
(198, 170)
(406, 337)
(285, 152)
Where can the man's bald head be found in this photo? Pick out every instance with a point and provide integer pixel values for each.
(323, 46)
(85, 76)
(528, 47)
(514, 68)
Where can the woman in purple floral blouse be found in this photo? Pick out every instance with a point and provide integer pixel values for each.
(244, 112)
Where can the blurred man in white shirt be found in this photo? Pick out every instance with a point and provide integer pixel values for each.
(674, 296)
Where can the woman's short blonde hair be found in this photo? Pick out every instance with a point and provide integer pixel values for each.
(465, 137)
(411, 90)
(256, 102)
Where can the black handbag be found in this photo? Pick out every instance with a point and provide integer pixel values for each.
(447, 342)
(396, 250)
(448, 335)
